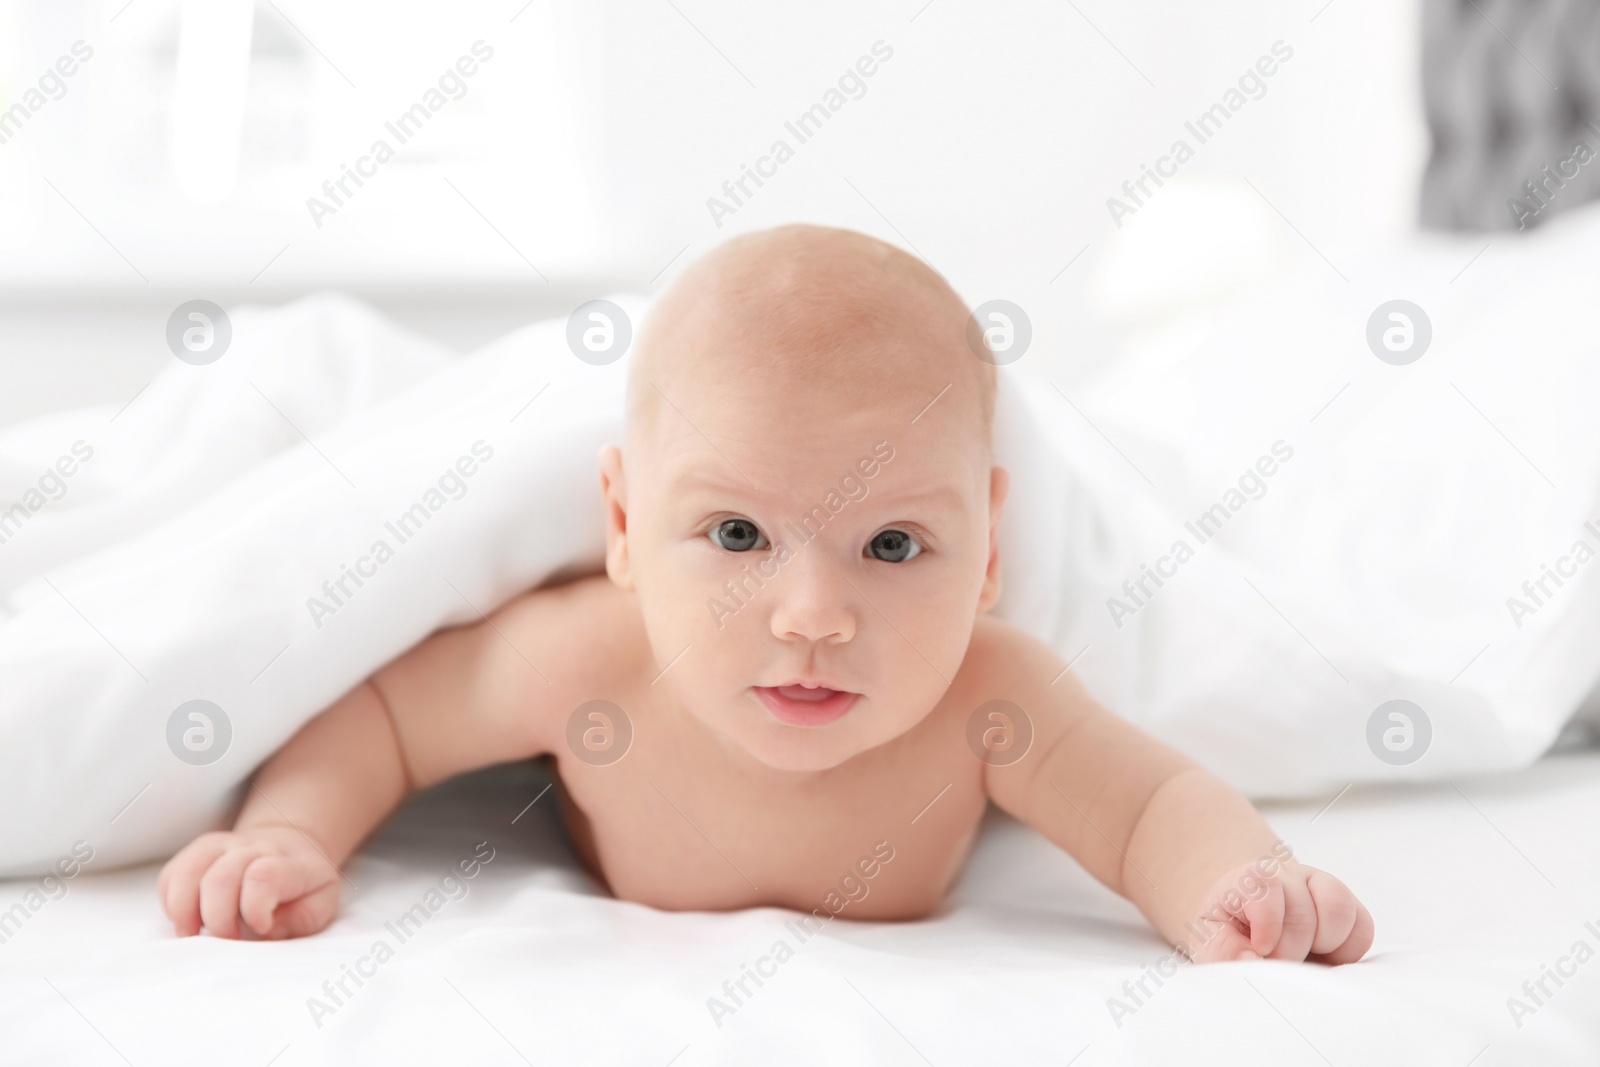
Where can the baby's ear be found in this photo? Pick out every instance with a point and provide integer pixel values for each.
(999, 485)
(616, 499)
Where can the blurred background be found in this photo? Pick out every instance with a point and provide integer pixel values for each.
(180, 158)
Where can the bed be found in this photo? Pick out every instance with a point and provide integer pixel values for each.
(1479, 886)
(1485, 889)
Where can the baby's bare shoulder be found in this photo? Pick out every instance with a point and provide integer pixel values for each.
(590, 600)
(501, 689)
(581, 635)
(1003, 662)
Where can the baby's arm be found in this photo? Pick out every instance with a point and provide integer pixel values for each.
(1192, 853)
(464, 698)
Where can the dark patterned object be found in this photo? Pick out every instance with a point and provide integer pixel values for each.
(1512, 93)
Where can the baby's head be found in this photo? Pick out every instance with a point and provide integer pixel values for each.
(807, 492)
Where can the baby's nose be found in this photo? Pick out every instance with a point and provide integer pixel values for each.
(814, 601)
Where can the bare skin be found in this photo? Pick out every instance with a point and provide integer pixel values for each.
(783, 367)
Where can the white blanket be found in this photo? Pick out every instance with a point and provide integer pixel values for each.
(203, 550)
(231, 494)
(1030, 962)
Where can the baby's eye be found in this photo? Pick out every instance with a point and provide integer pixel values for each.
(736, 535)
(893, 546)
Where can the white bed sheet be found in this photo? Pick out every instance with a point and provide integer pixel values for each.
(1476, 887)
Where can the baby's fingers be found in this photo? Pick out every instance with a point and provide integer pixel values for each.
(270, 881)
(219, 891)
(1299, 921)
(1265, 917)
(1224, 942)
(309, 914)
(179, 884)
(1344, 926)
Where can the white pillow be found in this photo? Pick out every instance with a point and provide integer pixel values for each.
(1386, 557)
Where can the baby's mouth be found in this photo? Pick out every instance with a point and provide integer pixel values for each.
(803, 705)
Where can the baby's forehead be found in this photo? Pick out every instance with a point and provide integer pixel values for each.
(789, 399)
(735, 442)
(780, 461)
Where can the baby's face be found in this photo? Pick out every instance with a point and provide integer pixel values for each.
(780, 535)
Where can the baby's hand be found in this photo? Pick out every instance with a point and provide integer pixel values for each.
(270, 875)
(1295, 913)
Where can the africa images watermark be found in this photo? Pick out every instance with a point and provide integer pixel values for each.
(52, 486)
(402, 128)
(1253, 885)
(804, 127)
(1136, 592)
(52, 885)
(1537, 993)
(405, 526)
(850, 489)
(50, 86)
(1536, 592)
(853, 889)
(1205, 126)
(452, 885)
(1542, 190)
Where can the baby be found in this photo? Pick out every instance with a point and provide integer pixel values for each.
(785, 684)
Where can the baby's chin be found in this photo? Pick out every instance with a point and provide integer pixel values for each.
(798, 749)
(801, 753)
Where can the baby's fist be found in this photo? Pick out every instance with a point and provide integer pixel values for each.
(271, 876)
(1294, 913)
